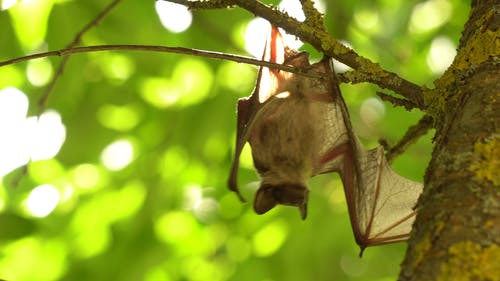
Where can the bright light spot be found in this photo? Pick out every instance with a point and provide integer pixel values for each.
(192, 196)
(43, 200)
(118, 67)
(13, 106)
(160, 92)
(49, 134)
(174, 17)
(86, 176)
(340, 67)
(441, 54)
(206, 209)
(255, 36)
(6, 4)
(190, 83)
(292, 8)
(366, 19)
(175, 227)
(116, 117)
(23, 137)
(372, 111)
(39, 72)
(430, 15)
(117, 155)
(283, 95)
(269, 239)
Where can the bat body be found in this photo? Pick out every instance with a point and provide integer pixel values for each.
(298, 127)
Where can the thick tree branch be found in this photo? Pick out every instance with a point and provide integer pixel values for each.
(323, 42)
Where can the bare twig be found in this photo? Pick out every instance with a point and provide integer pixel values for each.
(163, 49)
(322, 41)
(407, 104)
(42, 102)
(411, 136)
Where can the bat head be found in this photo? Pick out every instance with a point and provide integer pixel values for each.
(289, 194)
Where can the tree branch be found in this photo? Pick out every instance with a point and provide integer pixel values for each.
(407, 104)
(163, 49)
(411, 136)
(42, 102)
(323, 42)
(204, 5)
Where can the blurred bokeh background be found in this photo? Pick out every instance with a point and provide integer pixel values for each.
(129, 160)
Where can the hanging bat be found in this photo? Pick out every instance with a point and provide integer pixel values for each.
(298, 127)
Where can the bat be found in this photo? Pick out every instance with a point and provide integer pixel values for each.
(299, 127)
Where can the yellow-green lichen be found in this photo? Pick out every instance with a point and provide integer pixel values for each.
(421, 249)
(486, 160)
(482, 45)
(313, 16)
(470, 261)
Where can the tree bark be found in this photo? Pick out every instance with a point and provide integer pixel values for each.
(456, 235)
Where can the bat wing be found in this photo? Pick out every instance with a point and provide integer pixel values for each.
(383, 201)
(380, 201)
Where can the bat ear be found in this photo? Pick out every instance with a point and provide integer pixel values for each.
(264, 199)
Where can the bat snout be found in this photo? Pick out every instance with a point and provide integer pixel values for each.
(268, 196)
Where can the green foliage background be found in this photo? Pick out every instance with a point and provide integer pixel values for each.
(140, 223)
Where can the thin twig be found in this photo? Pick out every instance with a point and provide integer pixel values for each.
(42, 102)
(164, 49)
(407, 104)
(411, 136)
(323, 42)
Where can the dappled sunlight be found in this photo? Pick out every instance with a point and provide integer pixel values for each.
(48, 136)
(175, 18)
(118, 155)
(441, 54)
(24, 138)
(32, 14)
(367, 20)
(269, 238)
(42, 200)
(39, 72)
(119, 117)
(85, 176)
(189, 84)
(429, 15)
(117, 67)
(372, 111)
(32, 258)
(6, 4)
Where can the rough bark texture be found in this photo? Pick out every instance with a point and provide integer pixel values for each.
(456, 235)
